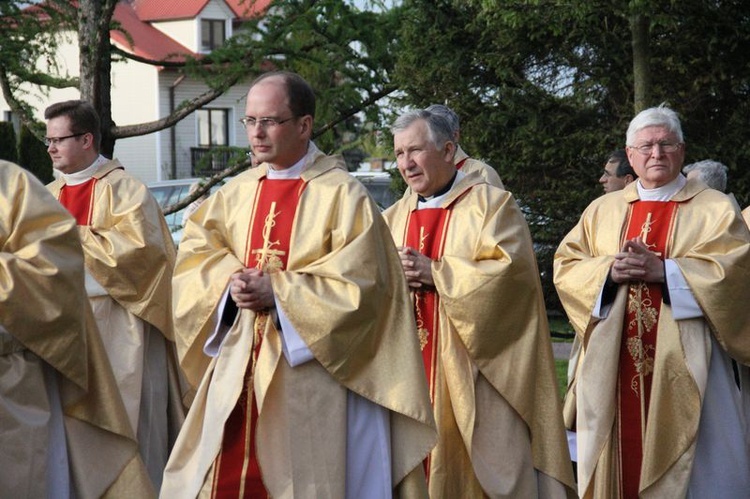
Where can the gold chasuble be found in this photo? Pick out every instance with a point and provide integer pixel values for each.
(238, 473)
(129, 257)
(338, 279)
(127, 244)
(470, 165)
(487, 351)
(641, 382)
(52, 360)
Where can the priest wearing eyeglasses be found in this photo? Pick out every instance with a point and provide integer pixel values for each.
(654, 280)
(129, 259)
(295, 325)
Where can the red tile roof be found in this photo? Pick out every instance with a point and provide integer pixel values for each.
(169, 10)
(145, 40)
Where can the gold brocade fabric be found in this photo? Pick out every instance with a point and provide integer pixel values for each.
(128, 248)
(40, 275)
(496, 373)
(711, 246)
(746, 215)
(343, 291)
(471, 165)
(43, 306)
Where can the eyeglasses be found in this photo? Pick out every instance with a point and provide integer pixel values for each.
(55, 141)
(667, 147)
(264, 123)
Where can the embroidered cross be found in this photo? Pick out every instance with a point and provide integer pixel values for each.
(422, 238)
(645, 229)
(268, 258)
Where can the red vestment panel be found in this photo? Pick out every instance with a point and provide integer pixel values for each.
(652, 222)
(79, 200)
(238, 473)
(425, 232)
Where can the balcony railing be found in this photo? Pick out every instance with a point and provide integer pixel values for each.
(206, 161)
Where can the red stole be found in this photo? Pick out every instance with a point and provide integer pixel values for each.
(79, 200)
(425, 231)
(461, 163)
(237, 470)
(652, 221)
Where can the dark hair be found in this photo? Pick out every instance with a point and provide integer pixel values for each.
(623, 164)
(299, 93)
(82, 115)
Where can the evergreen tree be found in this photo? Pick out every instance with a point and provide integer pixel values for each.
(8, 145)
(32, 155)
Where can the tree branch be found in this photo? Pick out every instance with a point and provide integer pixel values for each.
(354, 110)
(206, 186)
(145, 60)
(16, 106)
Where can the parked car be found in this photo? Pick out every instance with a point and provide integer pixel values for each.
(169, 192)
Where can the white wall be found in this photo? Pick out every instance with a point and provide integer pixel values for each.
(135, 100)
(182, 31)
(186, 131)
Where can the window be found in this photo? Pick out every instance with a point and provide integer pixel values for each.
(213, 131)
(213, 34)
(213, 127)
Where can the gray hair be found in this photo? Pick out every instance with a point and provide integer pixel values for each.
(655, 116)
(712, 173)
(438, 128)
(448, 114)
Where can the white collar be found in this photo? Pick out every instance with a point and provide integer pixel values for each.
(663, 193)
(84, 175)
(436, 201)
(294, 171)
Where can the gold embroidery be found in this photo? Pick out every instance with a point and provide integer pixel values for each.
(645, 229)
(645, 319)
(267, 258)
(422, 331)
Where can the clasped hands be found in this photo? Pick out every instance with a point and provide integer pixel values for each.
(251, 289)
(417, 267)
(635, 262)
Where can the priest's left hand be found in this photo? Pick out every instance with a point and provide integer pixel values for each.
(252, 289)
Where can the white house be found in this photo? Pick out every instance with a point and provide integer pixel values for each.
(143, 93)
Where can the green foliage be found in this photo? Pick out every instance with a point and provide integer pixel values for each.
(545, 89)
(345, 53)
(8, 143)
(561, 373)
(33, 156)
